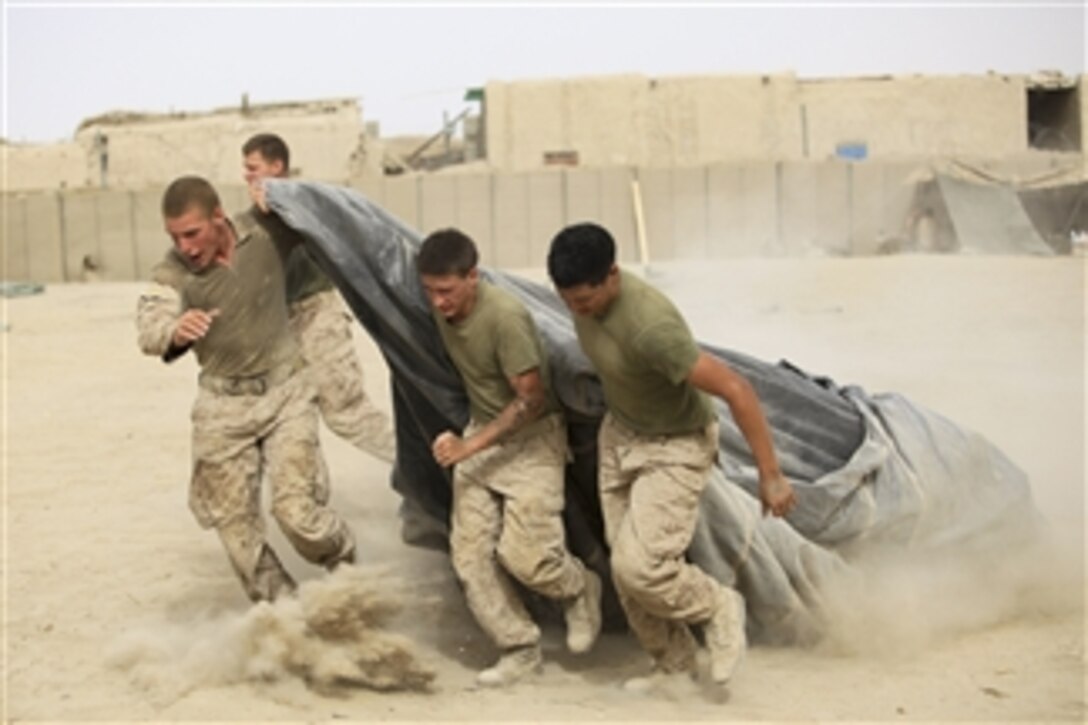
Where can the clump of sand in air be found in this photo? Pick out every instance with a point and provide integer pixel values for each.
(333, 634)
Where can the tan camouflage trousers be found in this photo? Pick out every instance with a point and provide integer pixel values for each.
(323, 329)
(237, 440)
(507, 522)
(650, 488)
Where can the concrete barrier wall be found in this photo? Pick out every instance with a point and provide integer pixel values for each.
(718, 211)
(603, 196)
(31, 245)
(742, 219)
(16, 252)
(880, 202)
(150, 239)
(814, 208)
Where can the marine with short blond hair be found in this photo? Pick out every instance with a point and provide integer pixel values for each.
(220, 292)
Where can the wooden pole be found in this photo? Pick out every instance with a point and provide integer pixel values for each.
(640, 224)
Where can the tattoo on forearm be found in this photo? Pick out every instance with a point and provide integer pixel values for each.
(522, 409)
(517, 414)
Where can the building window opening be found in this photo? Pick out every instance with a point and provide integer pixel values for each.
(1054, 118)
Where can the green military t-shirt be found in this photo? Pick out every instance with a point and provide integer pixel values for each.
(643, 352)
(497, 341)
(304, 277)
(250, 334)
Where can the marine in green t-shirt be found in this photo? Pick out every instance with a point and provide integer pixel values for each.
(656, 446)
(266, 156)
(322, 329)
(603, 300)
(494, 343)
(220, 291)
(304, 277)
(643, 352)
(250, 335)
(508, 464)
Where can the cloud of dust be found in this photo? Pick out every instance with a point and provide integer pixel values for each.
(905, 602)
(332, 635)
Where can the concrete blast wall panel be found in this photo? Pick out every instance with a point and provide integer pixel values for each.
(716, 211)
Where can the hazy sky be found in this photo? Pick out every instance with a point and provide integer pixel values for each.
(64, 62)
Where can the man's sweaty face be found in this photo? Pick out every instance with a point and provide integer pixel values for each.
(196, 236)
(587, 300)
(450, 294)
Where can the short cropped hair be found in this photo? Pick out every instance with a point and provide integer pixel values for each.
(270, 146)
(447, 251)
(188, 191)
(581, 254)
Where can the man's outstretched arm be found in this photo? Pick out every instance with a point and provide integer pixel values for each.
(716, 378)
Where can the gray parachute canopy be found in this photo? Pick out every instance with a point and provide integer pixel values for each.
(869, 470)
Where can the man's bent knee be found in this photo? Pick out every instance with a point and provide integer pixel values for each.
(316, 533)
(531, 563)
(634, 570)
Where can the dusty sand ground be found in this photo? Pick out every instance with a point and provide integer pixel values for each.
(118, 607)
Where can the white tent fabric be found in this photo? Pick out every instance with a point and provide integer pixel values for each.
(989, 218)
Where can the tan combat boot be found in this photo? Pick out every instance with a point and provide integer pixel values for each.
(513, 665)
(583, 615)
(668, 671)
(725, 638)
